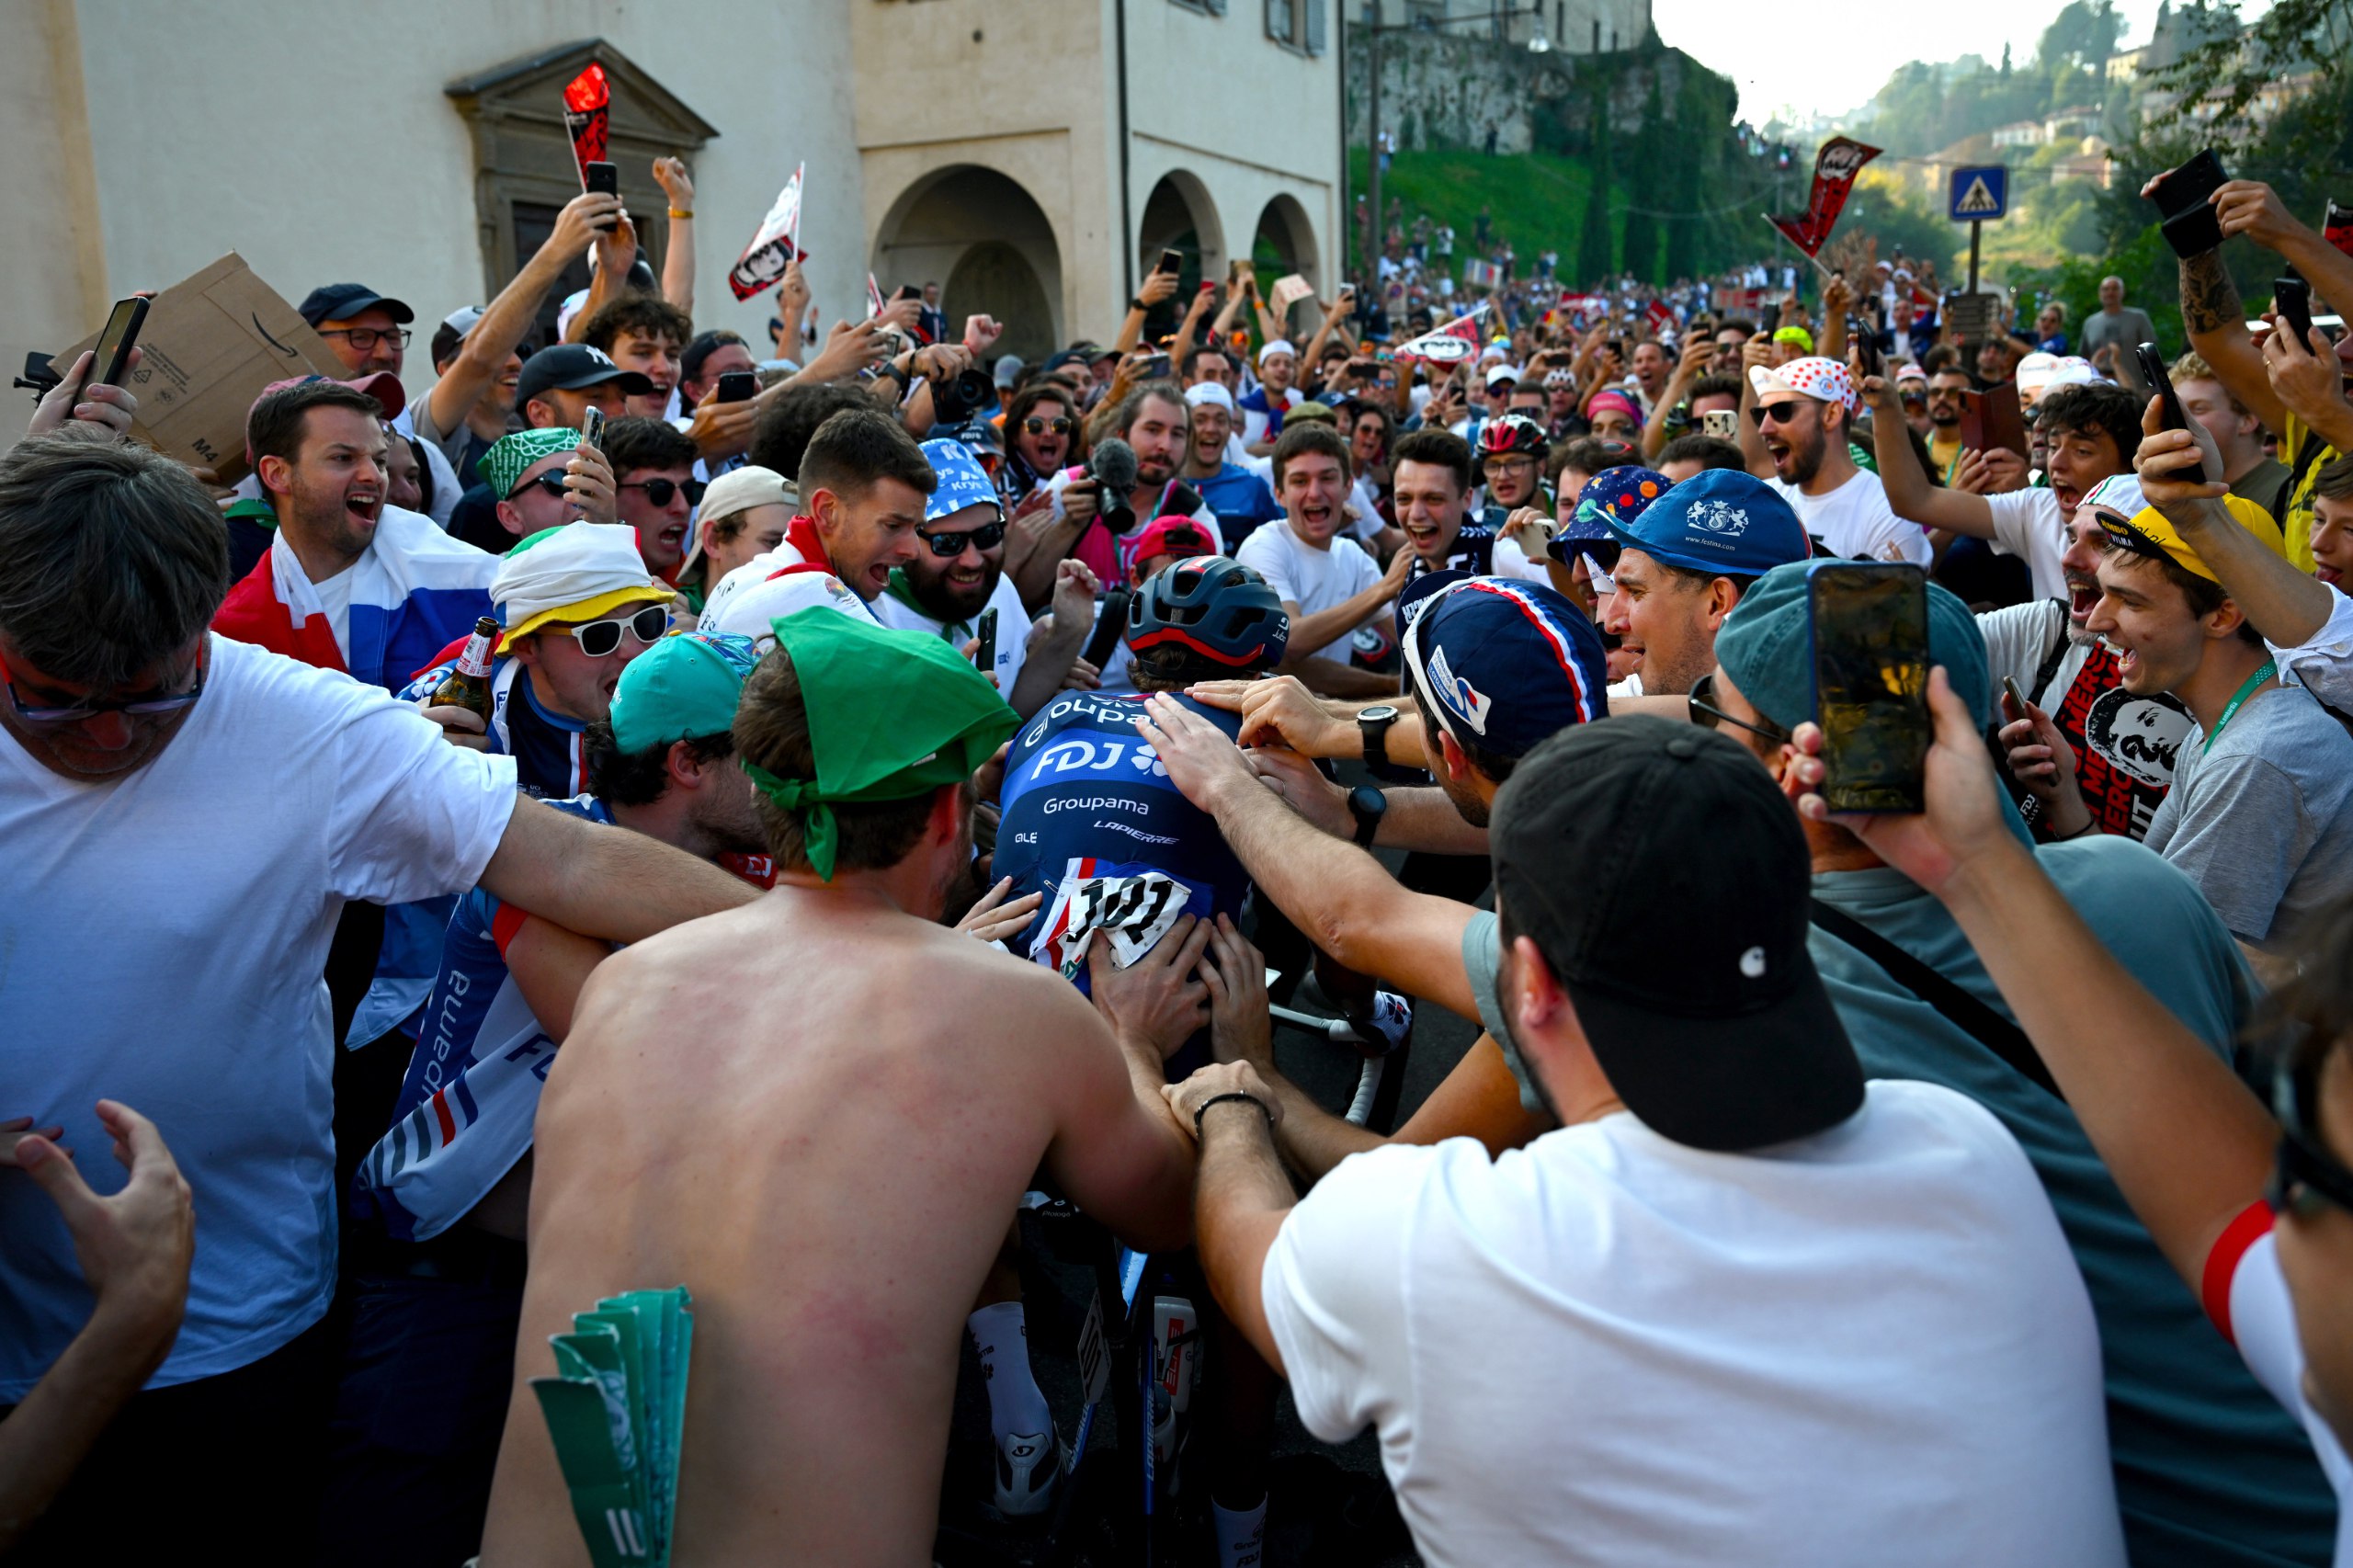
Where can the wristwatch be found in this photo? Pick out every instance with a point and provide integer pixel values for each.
(1373, 724)
(1367, 805)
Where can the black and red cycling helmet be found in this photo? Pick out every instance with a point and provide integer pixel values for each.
(1215, 607)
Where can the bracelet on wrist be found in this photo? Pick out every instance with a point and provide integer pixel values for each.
(1229, 1095)
(680, 214)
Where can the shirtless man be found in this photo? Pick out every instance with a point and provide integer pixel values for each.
(829, 1168)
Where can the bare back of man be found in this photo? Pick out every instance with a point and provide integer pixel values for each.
(825, 1150)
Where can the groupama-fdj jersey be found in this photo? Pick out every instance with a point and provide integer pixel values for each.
(465, 1110)
(1091, 819)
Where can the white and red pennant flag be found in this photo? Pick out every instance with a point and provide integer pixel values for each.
(1450, 345)
(774, 246)
(1834, 169)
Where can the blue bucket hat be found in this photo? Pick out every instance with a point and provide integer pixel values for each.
(963, 482)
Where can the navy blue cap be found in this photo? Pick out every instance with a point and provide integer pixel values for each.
(1414, 597)
(1505, 664)
(1720, 520)
(341, 302)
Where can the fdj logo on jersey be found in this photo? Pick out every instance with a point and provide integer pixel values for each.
(1107, 755)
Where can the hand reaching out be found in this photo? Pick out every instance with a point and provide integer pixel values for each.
(1159, 998)
(1241, 1028)
(995, 917)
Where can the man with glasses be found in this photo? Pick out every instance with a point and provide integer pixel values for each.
(369, 334)
(2205, 1472)
(1795, 424)
(578, 605)
(184, 818)
(1947, 396)
(958, 575)
(655, 491)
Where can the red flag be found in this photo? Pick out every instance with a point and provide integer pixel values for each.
(2337, 227)
(586, 98)
(773, 245)
(1658, 315)
(1834, 169)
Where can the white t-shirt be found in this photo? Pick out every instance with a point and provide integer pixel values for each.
(1607, 1348)
(166, 935)
(2027, 524)
(1856, 521)
(2263, 1326)
(1312, 579)
(1012, 629)
(2322, 662)
(335, 597)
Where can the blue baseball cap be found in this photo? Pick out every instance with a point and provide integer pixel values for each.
(1505, 664)
(963, 482)
(1718, 521)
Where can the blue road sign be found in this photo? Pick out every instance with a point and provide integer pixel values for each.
(1979, 193)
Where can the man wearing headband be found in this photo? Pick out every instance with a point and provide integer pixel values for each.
(2260, 814)
(1797, 421)
(442, 1196)
(1264, 406)
(957, 574)
(829, 1163)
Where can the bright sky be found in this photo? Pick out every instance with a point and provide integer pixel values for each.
(1781, 65)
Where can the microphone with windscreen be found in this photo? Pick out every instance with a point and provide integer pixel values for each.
(1112, 464)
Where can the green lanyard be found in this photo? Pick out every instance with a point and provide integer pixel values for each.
(2270, 667)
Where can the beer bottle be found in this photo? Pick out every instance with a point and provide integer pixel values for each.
(468, 686)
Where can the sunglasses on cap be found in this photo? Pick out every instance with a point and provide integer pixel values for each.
(947, 547)
(1709, 716)
(1037, 427)
(602, 639)
(2307, 1175)
(659, 491)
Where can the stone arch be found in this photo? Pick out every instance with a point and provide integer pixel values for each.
(988, 243)
(1179, 215)
(1286, 241)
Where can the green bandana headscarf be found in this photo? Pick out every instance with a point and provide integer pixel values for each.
(503, 465)
(893, 715)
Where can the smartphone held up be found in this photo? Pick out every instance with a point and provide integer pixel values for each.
(1869, 626)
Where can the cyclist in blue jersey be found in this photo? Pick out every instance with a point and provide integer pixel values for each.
(427, 1377)
(1092, 822)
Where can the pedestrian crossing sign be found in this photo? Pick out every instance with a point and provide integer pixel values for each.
(1980, 193)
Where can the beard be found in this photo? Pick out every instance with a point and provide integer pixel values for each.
(324, 515)
(943, 600)
(1805, 458)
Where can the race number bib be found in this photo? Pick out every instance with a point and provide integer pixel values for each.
(1134, 911)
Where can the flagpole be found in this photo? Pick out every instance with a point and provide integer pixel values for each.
(1797, 247)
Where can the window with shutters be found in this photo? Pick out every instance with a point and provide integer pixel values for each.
(1299, 24)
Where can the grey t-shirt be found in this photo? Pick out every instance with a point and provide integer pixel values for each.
(2263, 820)
(1482, 955)
(2129, 326)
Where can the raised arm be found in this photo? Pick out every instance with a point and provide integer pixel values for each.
(2216, 323)
(1909, 493)
(616, 251)
(678, 261)
(2188, 1143)
(1687, 368)
(1157, 286)
(484, 351)
(2286, 606)
(1343, 899)
(623, 887)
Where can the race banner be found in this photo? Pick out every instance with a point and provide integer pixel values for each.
(1658, 315)
(588, 98)
(1450, 345)
(774, 244)
(2338, 228)
(1834, 169)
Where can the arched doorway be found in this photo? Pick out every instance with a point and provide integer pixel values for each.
(1178, 215)
(980, 236)
(1285, 242)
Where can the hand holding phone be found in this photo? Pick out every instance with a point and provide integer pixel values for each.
(2184, 196)
(111, 359)
(2153, 370)
(601, 179)
(592, 428)
(2291, 297)
(738, 386)
(1869, 626)
(1169, 261)
(984, 637)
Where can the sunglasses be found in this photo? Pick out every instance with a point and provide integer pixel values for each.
(137, 707)
(2307, 1175)
(602, 639)
(1708, 716)
(1778, 412)
(551, 482)
(1036, 426)
(947, 547)
(659, 491)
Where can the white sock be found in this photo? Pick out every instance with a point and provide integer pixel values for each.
(1241, 1534)
(1015, 1406)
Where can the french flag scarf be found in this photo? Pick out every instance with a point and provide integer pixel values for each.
(413, 592)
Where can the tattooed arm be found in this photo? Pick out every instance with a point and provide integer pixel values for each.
(2217, 326)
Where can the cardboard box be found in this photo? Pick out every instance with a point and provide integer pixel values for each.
(210, 342)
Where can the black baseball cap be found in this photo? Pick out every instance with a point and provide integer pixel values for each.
(571, 366)
(341, 302)
(1667, 883)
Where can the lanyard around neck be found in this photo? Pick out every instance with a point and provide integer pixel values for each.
(2238, 698)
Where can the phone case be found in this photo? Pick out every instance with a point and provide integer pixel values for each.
(2193, 232)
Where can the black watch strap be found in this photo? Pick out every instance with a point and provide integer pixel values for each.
(1375, 731)
(1367, 805)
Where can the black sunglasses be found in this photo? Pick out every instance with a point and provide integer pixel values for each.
(2307, 1174)
(552, 482)
(1779, 413)
(1708, 716)
(1036, 426)
(659, 491)
(947, 547)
